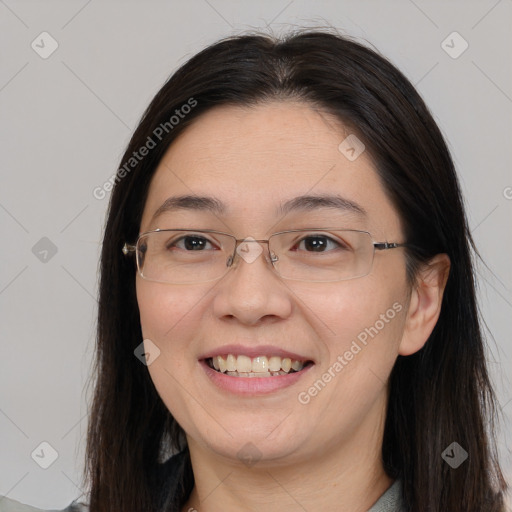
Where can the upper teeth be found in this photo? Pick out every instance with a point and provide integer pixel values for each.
(241, 363)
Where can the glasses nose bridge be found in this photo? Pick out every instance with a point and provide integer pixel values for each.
(268, 257)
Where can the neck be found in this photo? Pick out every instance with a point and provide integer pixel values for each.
(347, 478)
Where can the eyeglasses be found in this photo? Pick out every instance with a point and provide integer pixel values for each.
(184, 256)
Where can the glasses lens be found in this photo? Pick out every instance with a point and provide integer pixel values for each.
(183, 256)
(323, 256)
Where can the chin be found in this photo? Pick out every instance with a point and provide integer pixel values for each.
(261, 442)
(259, 453)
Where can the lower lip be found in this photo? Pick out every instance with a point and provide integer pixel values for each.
(252, 385)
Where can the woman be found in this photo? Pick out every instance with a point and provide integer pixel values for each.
(287, 298)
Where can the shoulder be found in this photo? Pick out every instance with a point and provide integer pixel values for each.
(170, 472)
(10, 505)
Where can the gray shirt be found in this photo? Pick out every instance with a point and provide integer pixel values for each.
(390, 501)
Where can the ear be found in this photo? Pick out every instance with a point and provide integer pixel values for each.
(425, 304)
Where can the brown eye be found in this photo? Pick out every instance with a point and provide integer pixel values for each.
(190, 243)
(319, 243)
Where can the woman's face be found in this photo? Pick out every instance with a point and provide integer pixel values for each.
(252, 160)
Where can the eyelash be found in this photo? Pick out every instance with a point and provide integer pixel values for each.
(339, 244)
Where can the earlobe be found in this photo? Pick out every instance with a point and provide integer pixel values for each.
(425, 304)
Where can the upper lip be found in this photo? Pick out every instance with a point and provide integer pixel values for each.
(253, 351)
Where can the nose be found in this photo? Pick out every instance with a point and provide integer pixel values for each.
(248, 292)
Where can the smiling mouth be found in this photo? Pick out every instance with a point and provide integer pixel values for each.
(261, 366)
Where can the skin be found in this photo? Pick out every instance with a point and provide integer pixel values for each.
(323, 455)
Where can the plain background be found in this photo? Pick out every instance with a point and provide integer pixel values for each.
(65, 121)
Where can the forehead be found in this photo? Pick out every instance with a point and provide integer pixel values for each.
(255, 159)
(251, 143)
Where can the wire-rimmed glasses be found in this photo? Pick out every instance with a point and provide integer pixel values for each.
(186, 256)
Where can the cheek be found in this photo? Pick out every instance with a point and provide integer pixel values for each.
(156, 310)
(164, 308)
(365, 319)
(168, 319)
(361, 309)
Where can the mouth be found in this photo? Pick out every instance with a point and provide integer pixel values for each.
(238, 365)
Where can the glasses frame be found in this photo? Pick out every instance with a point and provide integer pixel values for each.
(377, 246)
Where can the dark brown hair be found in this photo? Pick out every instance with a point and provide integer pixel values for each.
(437, 396)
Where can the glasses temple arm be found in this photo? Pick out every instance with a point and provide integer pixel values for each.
(128, 248)
(381, 246)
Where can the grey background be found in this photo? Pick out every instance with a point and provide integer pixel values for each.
(65, 121)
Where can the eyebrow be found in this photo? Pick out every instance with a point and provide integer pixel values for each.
(296, 204)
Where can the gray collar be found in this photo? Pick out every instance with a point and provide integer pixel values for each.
(391, 500)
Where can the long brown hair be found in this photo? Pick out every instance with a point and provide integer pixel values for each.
(441, 394)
